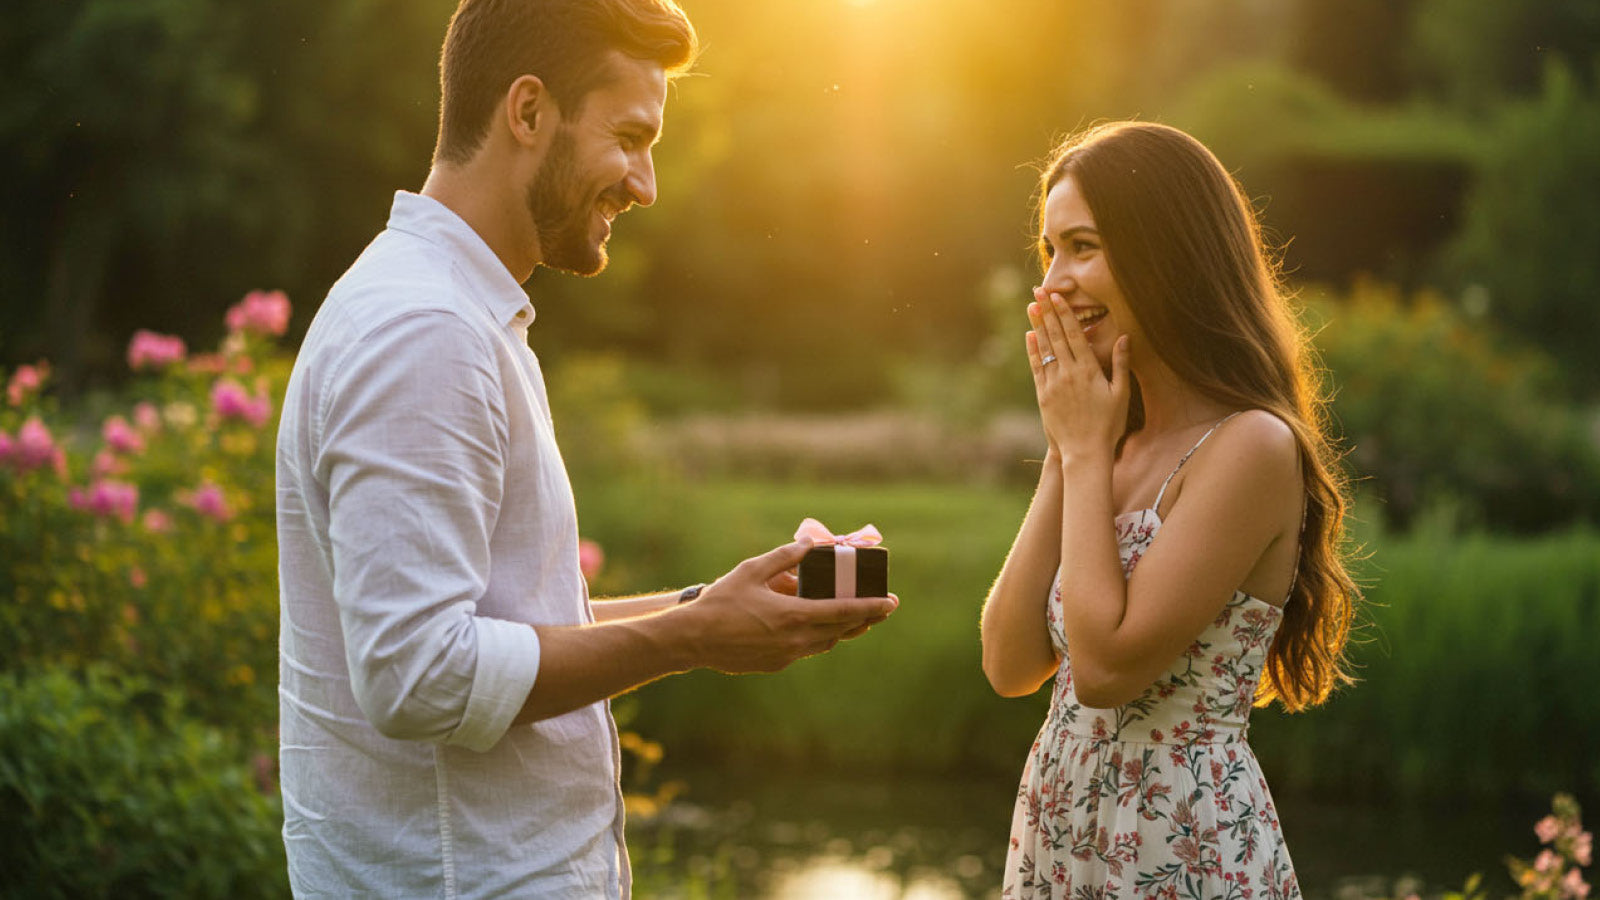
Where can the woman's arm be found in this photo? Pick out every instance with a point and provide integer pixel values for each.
(1240, 497)
(1017, 653)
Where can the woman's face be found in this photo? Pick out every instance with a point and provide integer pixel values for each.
(1076, 268)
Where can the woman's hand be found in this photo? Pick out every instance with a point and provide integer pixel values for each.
(1083, 412)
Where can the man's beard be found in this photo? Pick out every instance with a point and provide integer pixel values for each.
(563, 222)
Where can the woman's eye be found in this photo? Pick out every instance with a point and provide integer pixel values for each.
(1082, 247)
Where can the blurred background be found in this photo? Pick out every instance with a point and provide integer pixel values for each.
(822, 315)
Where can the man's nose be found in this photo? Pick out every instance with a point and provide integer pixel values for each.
(641, 181)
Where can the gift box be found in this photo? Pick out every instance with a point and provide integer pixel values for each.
(849, 565)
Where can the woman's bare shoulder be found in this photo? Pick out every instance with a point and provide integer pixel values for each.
(1254, 447)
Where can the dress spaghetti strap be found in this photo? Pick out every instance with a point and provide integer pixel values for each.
(1163, 492)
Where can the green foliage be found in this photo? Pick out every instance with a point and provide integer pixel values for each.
(138, 626)
(108, 789)
(162, 148)
(1437, 412)
(1462, 631)
(180, 585)
(1531, 225)
(1473, 56)
(1555, 874)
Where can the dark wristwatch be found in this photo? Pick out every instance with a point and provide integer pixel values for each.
(690, 592)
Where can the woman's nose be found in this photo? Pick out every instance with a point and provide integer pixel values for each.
(1059, 283)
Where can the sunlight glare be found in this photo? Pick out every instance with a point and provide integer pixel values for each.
(843, 879)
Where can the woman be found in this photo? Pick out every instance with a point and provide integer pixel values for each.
(1184, 543)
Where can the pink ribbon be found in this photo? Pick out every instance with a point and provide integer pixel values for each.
(844, 551)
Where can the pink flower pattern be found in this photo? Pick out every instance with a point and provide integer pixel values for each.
(1161, 797)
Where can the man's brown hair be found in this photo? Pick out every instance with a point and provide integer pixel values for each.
(492, 43)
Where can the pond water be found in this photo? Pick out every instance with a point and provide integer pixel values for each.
(846, 837)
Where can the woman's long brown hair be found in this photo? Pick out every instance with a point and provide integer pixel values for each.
(1186, 249)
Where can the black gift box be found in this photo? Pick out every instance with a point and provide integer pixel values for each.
(817, 572)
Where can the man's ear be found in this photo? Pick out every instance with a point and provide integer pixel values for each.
(530, 111)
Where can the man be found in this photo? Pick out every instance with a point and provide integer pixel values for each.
(444, 677)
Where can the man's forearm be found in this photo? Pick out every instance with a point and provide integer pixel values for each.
(618, 608)
(580, 665)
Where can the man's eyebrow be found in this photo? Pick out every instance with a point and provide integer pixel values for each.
(645, 127)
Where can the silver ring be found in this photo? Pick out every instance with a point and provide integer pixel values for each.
(1048, 359)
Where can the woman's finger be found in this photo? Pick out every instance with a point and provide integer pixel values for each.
(1055, 331)
(1119, 368)
(1034, 364)
(1072, 330)
(1036, 314)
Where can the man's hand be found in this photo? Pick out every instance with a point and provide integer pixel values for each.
(749, 620)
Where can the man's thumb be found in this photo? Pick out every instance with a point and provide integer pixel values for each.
(781, 559)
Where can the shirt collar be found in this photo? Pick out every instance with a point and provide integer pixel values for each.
(490, 281)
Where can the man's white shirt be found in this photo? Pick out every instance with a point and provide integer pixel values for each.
(425, 523)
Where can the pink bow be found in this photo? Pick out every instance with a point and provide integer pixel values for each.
(866, 536)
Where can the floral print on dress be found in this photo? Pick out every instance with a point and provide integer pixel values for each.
(1161, 797)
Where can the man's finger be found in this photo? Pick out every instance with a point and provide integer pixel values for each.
(845, 610)
(776, 560)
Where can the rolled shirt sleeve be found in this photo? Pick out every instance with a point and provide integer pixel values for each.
(413, 453)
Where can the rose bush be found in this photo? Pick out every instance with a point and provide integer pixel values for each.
(145, 541)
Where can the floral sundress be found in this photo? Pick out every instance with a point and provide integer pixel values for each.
(1161, 797)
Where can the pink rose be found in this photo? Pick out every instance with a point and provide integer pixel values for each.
(260, 312)
(107, 499)
(156, 521)
(230, 401)
(35, 447)
(106, 464)
(25, 380)
(121, 437)
(590, 558)
(147, 417)
(208, 501)
(208, 364)
(149, 350)
(1583, 848)
(137, 577)
(1574, 886)
(1548, 829)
